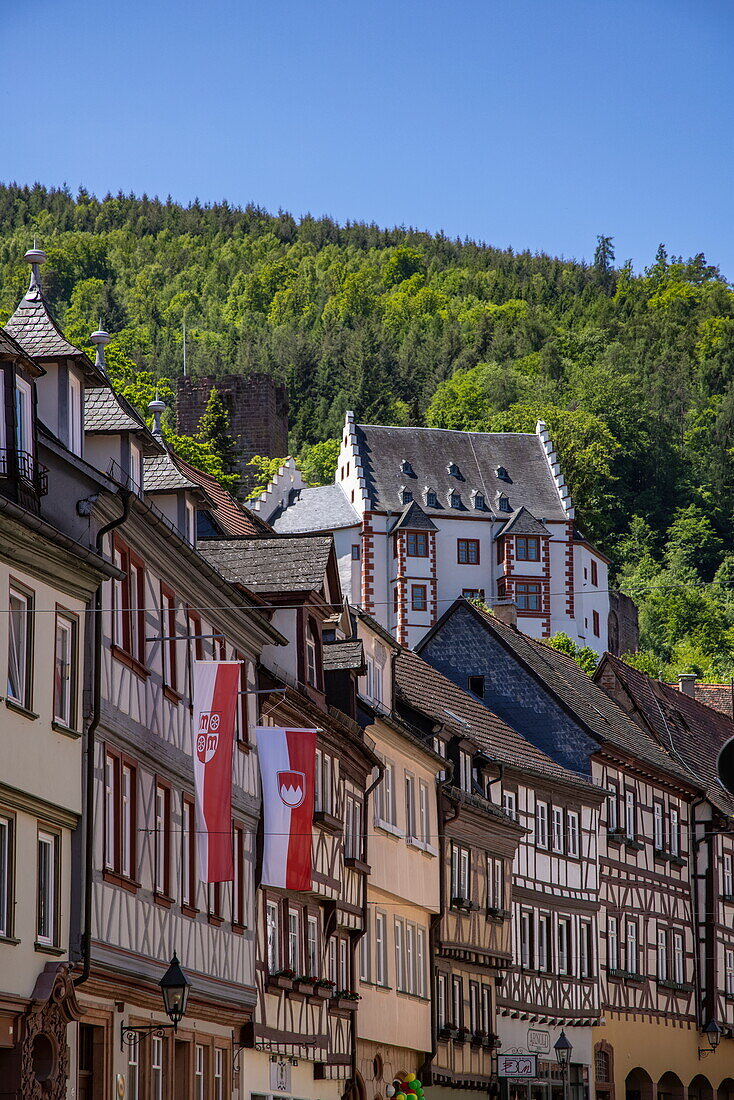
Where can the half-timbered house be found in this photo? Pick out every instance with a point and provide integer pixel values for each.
(648, 943)
(302, 1039)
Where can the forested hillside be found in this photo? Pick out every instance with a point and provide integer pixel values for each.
(634, 372)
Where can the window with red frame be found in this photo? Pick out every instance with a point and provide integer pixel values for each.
(128, 603)
(527, 596)
(594, 574)
(120, 815)
(467, 551)
(417, 544)
(214, 902)
(162, 876)
(596, 623)
(188, 854)
(418, 597)
(169, 635)
(527, 548)
(238, 883)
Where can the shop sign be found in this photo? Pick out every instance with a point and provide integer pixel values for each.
(280, 1075)
(538, 1041)
(517, 1065)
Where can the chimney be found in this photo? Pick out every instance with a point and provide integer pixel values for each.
(505, 611)
(687, 683)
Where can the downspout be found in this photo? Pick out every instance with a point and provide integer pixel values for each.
(127, 496)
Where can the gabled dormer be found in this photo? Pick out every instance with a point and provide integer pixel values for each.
(22, 478)
(68, 371)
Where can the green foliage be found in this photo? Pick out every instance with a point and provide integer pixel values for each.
(214, 430)
(201, 454)
(584, 657)
(317, 462)
(264, 470)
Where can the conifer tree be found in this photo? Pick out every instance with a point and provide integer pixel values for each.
(215, 429)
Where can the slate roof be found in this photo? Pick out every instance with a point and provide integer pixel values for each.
(343, 655)
(522, 522)
(414, 518)
(232, 517)
(428, 691)
(477, 454)
(578, 693)
(162, 475)
(717, 696)
(10, 346)
(283, 564)
(107, 412)
(38, 334)
(695, 732)
(324, 508)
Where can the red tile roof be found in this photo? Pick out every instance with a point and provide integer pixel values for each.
(234, 518)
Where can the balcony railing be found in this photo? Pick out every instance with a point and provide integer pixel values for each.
(24, 467)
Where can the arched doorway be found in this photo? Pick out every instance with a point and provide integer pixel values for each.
(700, 1088)
(725, 1091)
(670, 1087)
(638, 1085)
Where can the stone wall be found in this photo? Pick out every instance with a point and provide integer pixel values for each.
(257, 406)
(624, 631)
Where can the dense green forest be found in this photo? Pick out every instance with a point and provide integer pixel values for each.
(633, 371)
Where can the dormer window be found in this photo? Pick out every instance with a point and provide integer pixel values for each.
(431, 499)
(479, 502)
(453, 470)
(406, 468)
(502, 473)
(407, 496)
(455, 500)
(504, 504)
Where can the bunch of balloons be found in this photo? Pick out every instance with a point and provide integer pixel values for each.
(407, 1088)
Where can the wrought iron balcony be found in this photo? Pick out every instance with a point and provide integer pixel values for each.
(21, 466)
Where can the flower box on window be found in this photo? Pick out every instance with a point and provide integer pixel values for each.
(282, 979)
(324, 987)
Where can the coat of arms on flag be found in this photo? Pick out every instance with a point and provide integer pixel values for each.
(216, 684)
(287, 767)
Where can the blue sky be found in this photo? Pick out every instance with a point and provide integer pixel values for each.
(526, 123)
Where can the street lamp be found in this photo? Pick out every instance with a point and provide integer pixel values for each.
(563, 1049)
(175, 988)
(712, 1031)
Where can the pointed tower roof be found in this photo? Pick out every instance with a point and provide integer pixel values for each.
(35, 329)
(414, 518)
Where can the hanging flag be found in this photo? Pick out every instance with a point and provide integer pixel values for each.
(287, 767)
(216, 687)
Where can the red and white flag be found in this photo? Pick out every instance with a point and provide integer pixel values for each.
(287, 769)
(216, 687)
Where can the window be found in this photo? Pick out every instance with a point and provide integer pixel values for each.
(657, 832)
(729, 973)
(199, 1078)
(6, 876)
(728, 877)
(272, 933)
(65, 671)
(431, 499)
(564, 943)
(120, 815)
(156, 1068)
(601, 1066)
(674, 832)
(455, 500)
(594, 574)
(407, 496)
(168, 635)
(526, 939)
(557, 829)
(476, 686)
(486, 1009)
(128, 603)
(474, 1011)
(541, 824)
(504, 504)
(613, 808)
(418, 599)
(162, 839)
(410, 830)
(572, 822)
(662, 955)
(417, 544)
(406, 467)
(453, 470)
(586, 950)
(630, 815)
(612, 944)
(596, 623)
(420, 964)
(294, 940)
(312, 947)
(20, 647)
(542, 952)
(218, 1074)
(380, 949)
(441, 1000)
(24, 425)
(214, 902)
(631, 962)
(311, 657)
(467, 551)
(509, 804)
(356, 552)
(385, 809)
(499, 884)
(399, 955)
(424, 820)
(527, 548)
(188, 853)
(479, 503)
(323, 786)
(457, 1002)
(133, 1073)
(395, 600)
(459, 872)
(75, 415)
(678, 960)
(364, 955)
(46, 889)
(238, 882)
(527, 596)
(465, 771)
(353, 828)
(473, 593)
(410, 958)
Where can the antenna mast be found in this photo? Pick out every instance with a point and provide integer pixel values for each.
(184, 345)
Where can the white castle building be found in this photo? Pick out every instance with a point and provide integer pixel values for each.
(423, 515)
